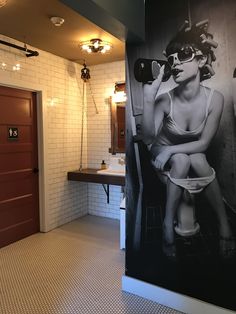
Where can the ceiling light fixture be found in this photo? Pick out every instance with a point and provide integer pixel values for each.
(2, 3)
(56, 20)
(95, 45)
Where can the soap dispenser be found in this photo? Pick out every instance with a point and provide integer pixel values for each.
(103, 165)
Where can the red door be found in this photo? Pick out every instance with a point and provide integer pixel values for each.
(19, 204)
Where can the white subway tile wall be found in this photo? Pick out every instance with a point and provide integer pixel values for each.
(60, 83)
(97, 201)
(102, 83)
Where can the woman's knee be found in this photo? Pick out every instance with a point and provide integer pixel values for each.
(200, 165)
(180, 162)
(198, 160)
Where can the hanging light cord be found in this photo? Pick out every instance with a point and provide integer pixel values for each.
(85, 76)
(92, 95)
(82, 128)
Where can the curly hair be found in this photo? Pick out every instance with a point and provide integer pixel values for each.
(198, 38)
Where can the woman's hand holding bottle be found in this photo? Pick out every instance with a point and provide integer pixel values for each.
(150, 89)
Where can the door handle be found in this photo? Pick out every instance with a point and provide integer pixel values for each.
(35, 170)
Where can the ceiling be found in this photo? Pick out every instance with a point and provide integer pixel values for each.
(29, 22)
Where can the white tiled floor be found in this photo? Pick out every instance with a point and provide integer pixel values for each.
(76, 268)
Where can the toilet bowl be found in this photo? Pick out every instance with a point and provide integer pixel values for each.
(186, 224)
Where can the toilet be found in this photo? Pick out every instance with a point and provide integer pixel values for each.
(186, 224)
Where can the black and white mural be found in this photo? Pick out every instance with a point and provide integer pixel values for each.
(181, 150)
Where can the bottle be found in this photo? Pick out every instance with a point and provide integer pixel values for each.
(103, 165)
(147, 70)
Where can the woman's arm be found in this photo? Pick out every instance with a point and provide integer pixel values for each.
(201, 145)
(153, 112)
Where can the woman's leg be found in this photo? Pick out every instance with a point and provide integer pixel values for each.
(180, 165)
(213, 194)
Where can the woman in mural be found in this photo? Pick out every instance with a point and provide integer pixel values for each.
(179, 126)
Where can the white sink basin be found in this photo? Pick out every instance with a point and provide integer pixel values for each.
(112, 172)
(116, 167)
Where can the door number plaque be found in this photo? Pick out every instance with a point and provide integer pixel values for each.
(13, 133)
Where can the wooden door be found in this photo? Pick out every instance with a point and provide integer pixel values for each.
(19, 203)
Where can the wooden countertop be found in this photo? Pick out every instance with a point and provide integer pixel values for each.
(91, 175)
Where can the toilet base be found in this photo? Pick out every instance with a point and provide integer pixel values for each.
(186, 224)
(187, 233)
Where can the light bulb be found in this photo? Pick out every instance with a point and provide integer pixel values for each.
(96, 44)
(107, 47)
(119, 97)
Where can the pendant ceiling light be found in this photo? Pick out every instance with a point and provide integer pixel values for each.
(95, 45)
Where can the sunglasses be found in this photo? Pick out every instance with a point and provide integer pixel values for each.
(184, 55)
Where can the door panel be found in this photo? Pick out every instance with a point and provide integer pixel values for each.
(12, 161)
(16, 188)
(19, 105)
(19, 208)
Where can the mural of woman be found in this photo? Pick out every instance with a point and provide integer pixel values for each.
(178, 127)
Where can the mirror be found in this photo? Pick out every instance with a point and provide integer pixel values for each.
(117, 127)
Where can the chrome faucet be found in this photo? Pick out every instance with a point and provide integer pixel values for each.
(121, 160)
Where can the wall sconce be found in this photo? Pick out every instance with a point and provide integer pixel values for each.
(95, 45)
(119, 93)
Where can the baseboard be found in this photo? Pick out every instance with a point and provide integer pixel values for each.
(169, 298)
